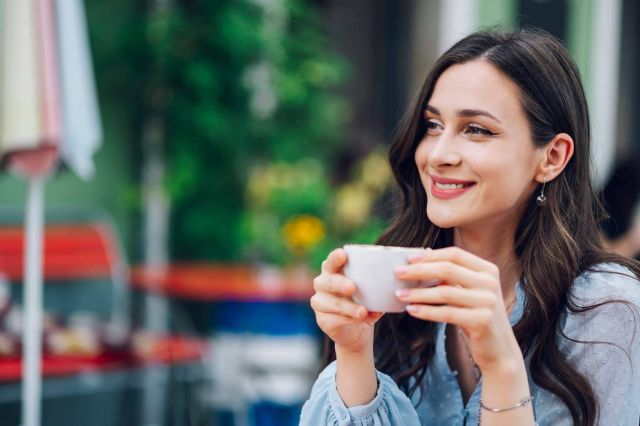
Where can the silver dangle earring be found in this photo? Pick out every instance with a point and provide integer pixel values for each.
(541, 201)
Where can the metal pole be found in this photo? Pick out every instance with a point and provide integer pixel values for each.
(32, 331)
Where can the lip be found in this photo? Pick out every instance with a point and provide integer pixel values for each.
(447, 194)
(449, 180)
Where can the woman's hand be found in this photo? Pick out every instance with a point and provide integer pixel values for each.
(348, 324)
(469, 296)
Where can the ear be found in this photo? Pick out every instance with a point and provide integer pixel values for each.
(554, 157)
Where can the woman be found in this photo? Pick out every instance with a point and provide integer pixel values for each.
(620, 197)
(496, 153)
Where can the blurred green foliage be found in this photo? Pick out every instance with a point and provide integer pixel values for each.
(245, 91)
(294, 215)
(252, 84)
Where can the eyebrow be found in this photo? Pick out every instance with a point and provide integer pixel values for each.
(465, 113)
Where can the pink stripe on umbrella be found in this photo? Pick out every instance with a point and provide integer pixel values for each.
(42, 160)
(51, 121)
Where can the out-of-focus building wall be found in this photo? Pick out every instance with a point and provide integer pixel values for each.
(393, 44)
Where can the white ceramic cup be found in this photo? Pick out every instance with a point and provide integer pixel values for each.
(372, 269)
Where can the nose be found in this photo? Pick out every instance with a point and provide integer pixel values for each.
(443, 151)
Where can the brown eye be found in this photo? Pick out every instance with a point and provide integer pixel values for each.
(433, 126)
(473, 129)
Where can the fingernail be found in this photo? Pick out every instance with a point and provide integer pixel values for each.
(403, 292)
(412, 309)
(415, 257)
(402, 270)
(360, 312)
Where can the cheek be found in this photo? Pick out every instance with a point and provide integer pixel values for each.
(420, 156)
(504, 183)
(506, 171)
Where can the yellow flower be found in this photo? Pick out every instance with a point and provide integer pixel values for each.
(302, 232)
(281, 176)
(375, 172)
(353, 205)
(260, 184)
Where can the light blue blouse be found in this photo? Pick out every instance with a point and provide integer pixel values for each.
(614, 376)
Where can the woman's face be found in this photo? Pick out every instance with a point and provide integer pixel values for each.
(476, 161)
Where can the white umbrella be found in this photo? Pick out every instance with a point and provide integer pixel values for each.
(33, 86)
(20, 113)
(81, 131)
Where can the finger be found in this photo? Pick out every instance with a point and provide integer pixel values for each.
(373, 317)
(332, 323)
(335, 261)
(448, 295)
(446, 271)
(334, 283)
(329, 303)
(455, 255)
(463, 317)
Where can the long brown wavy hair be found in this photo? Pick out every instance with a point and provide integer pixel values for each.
(553, 244)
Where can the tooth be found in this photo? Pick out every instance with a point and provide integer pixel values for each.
(449, 185)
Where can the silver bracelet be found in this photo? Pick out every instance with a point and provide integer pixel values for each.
(524, 401)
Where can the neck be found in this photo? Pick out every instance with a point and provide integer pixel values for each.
(496, 247)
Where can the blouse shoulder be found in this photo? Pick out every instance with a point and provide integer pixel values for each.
(602, 343)
(606, 281)
(610, 294)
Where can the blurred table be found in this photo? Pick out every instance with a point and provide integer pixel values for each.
(165, 350)
(213, 282)
(108, 390)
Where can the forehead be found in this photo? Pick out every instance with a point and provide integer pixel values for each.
(477, 85)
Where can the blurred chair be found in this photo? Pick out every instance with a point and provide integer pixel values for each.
(84, 266)
(265, 344)
(266, 358)
(86, 274)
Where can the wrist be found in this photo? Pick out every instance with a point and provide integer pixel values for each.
(364, 354)
(356, 380)
(505, 395)
(504, 381)
(363, 347)
(505, 368)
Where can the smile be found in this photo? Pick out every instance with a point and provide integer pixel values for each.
(446, 189)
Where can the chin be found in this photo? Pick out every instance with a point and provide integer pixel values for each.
(443, 219)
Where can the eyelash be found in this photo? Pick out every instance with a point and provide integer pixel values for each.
(431, 125)
(477, 130)
(473, 129)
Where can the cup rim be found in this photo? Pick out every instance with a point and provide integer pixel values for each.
(375, 247)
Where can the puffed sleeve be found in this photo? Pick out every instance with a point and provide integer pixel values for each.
(612, 367)
(390, 407)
